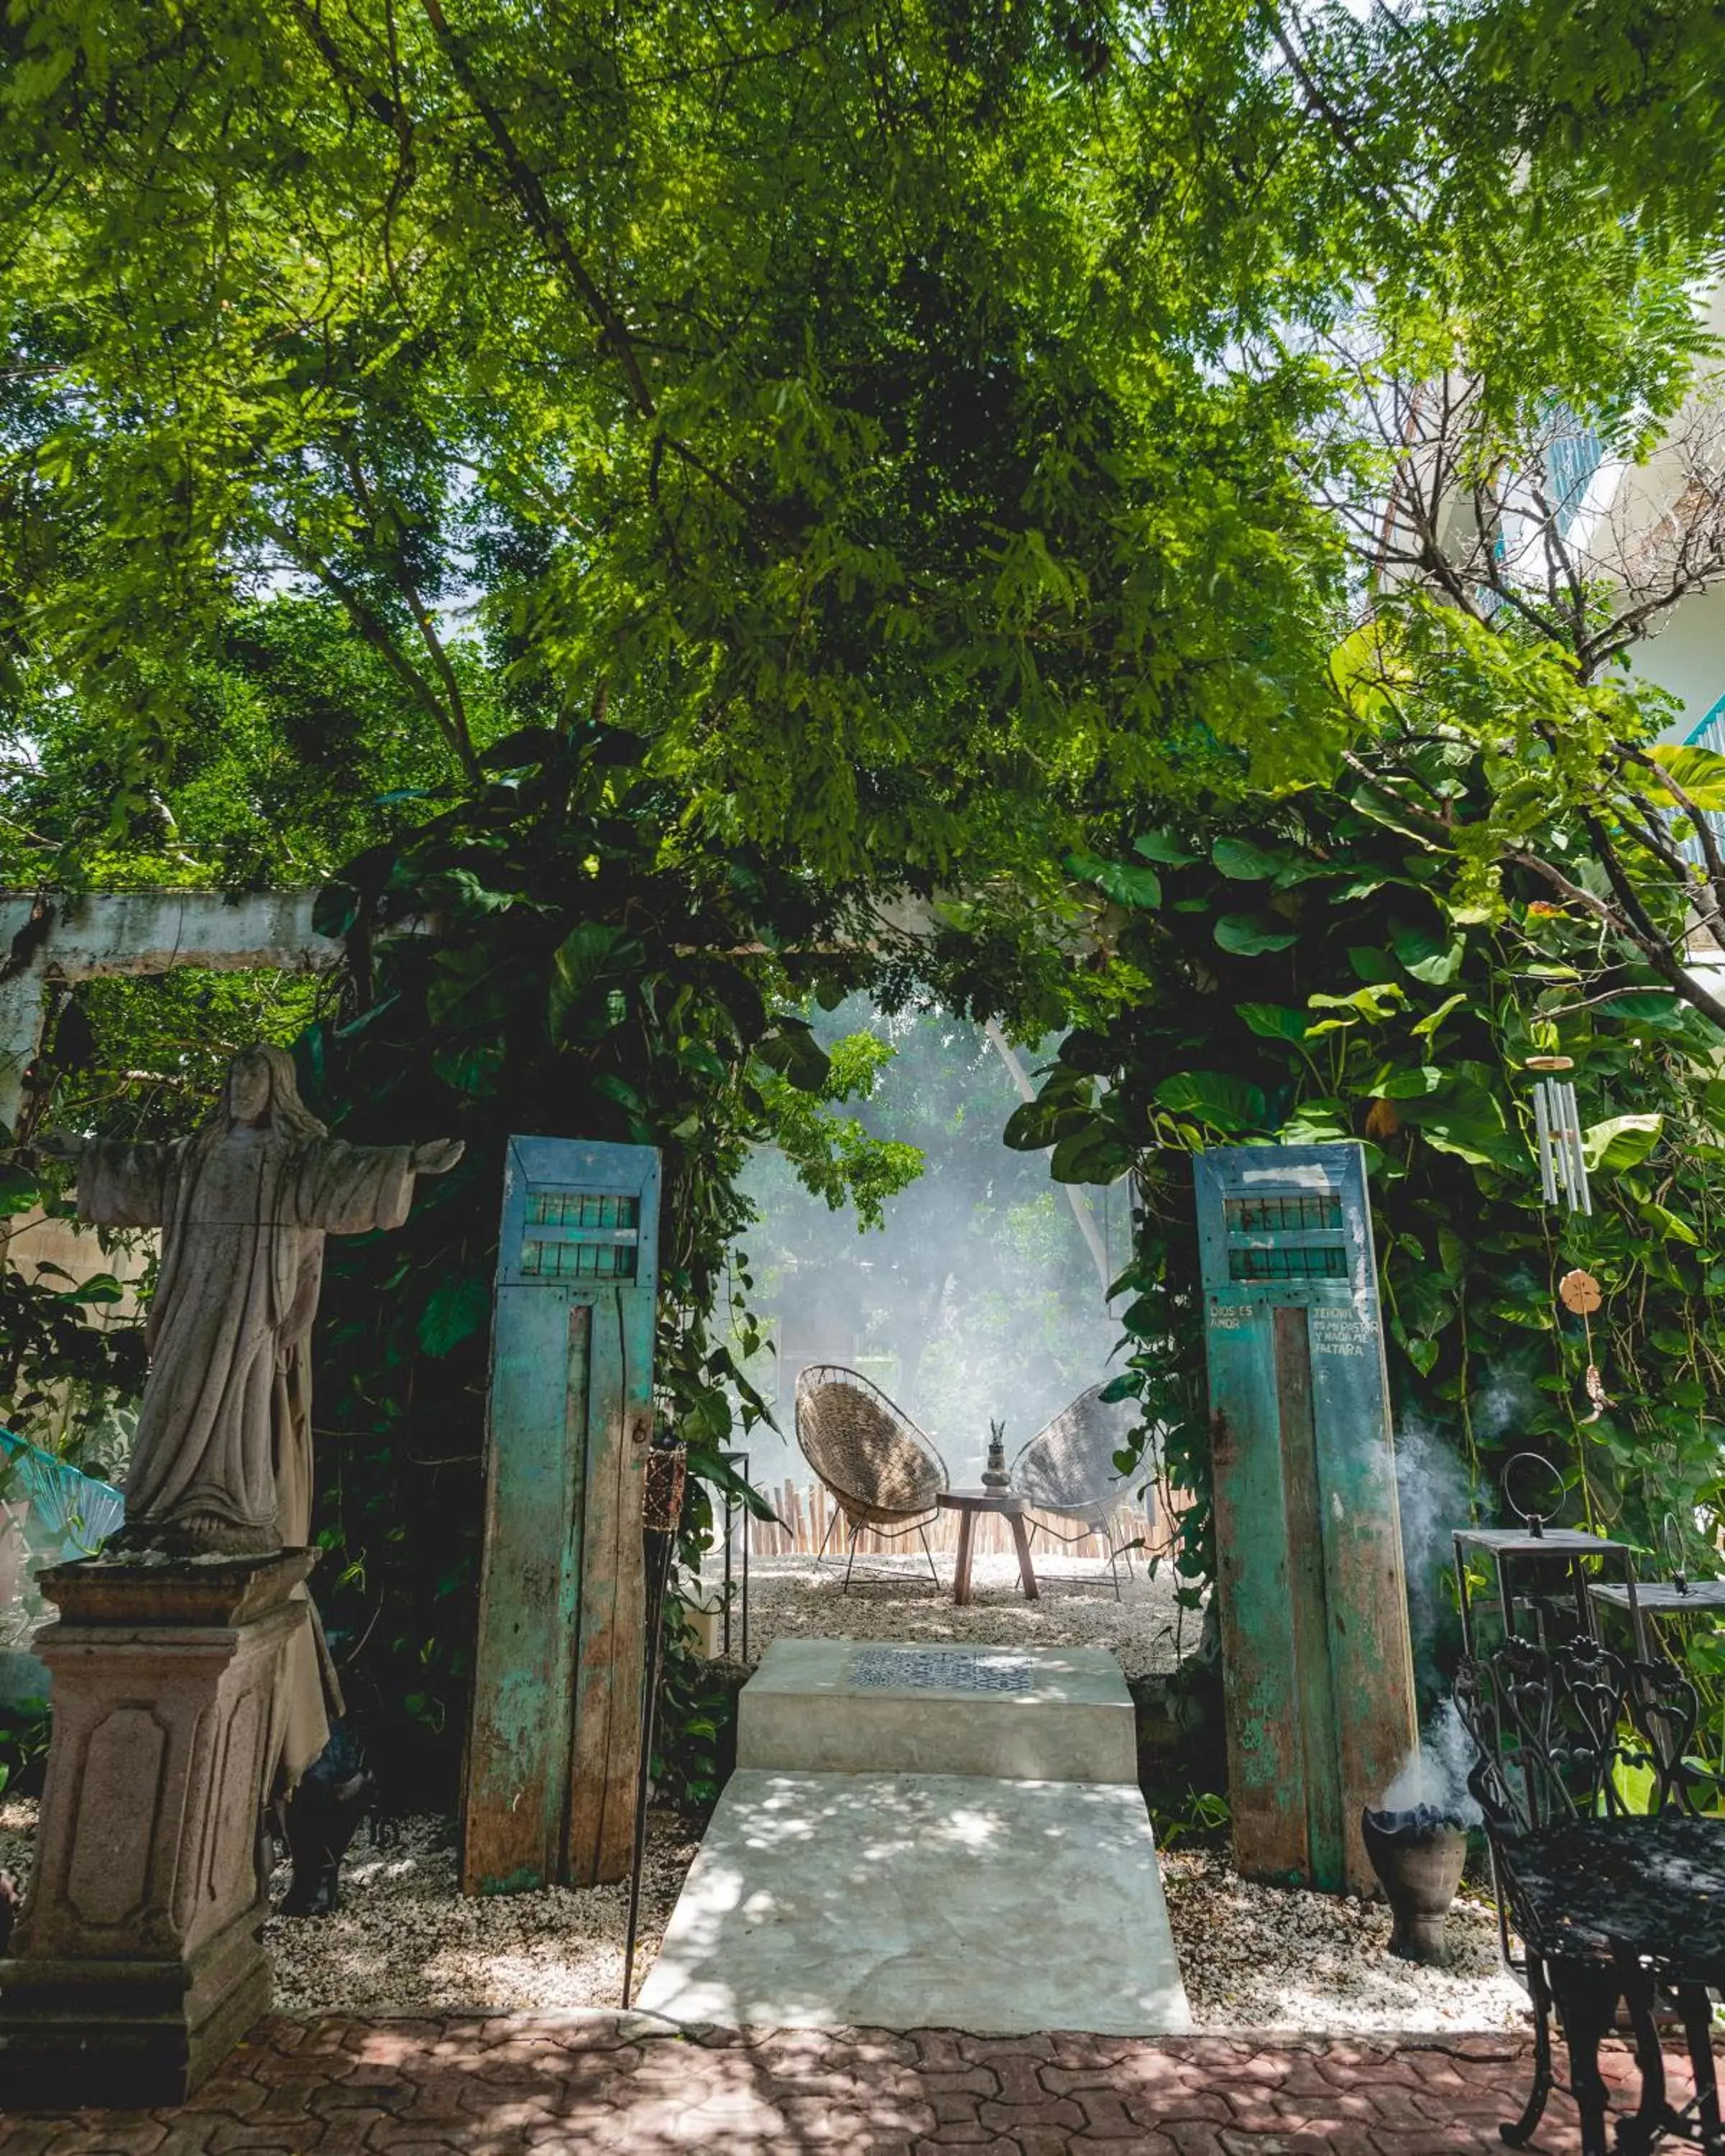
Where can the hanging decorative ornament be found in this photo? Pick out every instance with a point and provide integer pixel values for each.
(1580, 1292)
(1557, 1123)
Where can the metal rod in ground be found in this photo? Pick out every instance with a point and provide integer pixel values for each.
(659, 1557)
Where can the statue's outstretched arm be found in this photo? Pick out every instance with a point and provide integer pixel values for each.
(118, 1185)
(351, 1190)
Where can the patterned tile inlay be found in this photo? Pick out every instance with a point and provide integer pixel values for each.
(939, 1669)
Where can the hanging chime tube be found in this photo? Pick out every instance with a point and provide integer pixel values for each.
(1581, 1197)
(1542, 1127)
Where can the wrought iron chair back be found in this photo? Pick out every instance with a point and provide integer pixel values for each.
(1564, 1732)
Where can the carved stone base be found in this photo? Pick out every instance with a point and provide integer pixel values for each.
(137, 1964)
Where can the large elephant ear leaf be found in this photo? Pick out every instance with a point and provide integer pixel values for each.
(791, 1049)
(1061, 1107)
(1249, 934)
(1163, 847)
(1699, 772)
(584, 959)
(1620, 1141)
(1430, 954)
(1273, 1021)
(1242, 861)
(1215, 1098)
(455, 1311)
(1123, 881)
(1096, 1153)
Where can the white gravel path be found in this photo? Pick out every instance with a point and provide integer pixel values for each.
(405, 1941)
(1276, 1958)
(18, 1836)
(895, 1599)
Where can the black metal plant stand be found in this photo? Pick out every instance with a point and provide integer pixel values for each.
(734, 1504)
(661, 1509)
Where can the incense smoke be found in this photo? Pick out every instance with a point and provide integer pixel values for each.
(1434, 1499)
(976, 1300)
(1433, 1775)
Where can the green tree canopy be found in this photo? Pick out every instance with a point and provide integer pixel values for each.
(636, 486)
(835, 397)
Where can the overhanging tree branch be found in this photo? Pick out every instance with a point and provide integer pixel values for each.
(450, 722)
(529, 191)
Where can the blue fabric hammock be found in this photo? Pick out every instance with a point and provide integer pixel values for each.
(73, 1510)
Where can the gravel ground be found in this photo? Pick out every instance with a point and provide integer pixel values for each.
(405, 1941)
(18, 1836)
(1273, 1957)
(896, 1600)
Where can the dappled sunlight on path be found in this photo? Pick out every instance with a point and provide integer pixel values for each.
(495, 2086)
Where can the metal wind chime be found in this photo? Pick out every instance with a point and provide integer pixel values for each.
(1556, 1121)
(1562, 1173)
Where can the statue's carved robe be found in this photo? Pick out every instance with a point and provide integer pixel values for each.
(224, 1433)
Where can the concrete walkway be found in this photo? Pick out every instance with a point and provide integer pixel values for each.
(520, 2086)
(918, 1833)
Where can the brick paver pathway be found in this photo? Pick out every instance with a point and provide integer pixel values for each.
(498, 2085)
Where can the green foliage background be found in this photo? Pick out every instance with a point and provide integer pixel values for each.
(1322, 974)
(661, 494)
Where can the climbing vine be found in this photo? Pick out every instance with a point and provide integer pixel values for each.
(1321, 974)
(540, 959)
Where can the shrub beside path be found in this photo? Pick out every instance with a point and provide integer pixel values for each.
(494, 2086)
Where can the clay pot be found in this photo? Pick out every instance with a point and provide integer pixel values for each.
(1418, 1856)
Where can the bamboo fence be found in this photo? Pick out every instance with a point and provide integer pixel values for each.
(805, 1515)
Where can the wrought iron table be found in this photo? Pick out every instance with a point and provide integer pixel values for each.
(1630, 1906)
(1611, 1904)
(967, 1504)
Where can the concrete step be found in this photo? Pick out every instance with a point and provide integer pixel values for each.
(1035, 1714)
(920, 1900)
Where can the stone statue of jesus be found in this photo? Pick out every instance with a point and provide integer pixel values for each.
(222, 1459)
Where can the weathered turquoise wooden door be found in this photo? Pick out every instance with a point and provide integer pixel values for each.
(555, 1737)
(1312, 1593)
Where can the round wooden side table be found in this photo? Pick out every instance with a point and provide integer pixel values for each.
(967, 1504)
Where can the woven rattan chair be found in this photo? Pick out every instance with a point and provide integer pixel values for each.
(882, 1472)
(1067, 1468)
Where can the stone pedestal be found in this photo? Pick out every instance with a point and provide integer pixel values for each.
(137, 1963)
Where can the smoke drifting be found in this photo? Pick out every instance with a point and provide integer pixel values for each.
(979, 1298)
(1435, 1498)
(1434, 1773)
